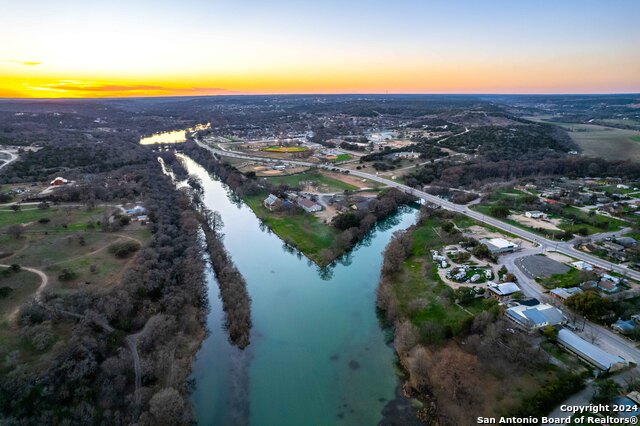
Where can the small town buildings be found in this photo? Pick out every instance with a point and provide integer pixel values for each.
(589, 352)
(499, 245)
(582, 266)
(136, 211)
(59, 181)
(607, 286)
(308, 205)
(272, 202)
(500, 291)
(626, 242)
(405, 154)
(624, 327)
(564, 293)
(534, 317)
(613, 246)
(535, 214)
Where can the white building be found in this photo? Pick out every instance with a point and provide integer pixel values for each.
(582, 266)
(535, 214)
(499, 245)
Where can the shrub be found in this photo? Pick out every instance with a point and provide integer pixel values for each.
(5, 292)
(122, 250)
(67, 275)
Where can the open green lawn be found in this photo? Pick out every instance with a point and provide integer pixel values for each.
(304, 231)
(607, 223)
(418, 287)
(73, 217)
(44, 249)
(325, 183)
(572, 278)
(342, 157)
(22, 284)
(576, 226)
(635, 138)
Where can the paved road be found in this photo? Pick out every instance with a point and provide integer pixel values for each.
(605, 338)
(13, 157)
(561, 247)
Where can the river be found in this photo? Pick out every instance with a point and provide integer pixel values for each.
(318, 354)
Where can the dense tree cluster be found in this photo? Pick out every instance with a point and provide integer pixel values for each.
(160, 303)
(236, 301)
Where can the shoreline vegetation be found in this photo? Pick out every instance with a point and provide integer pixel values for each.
(455, 352)
(322, 243)
(121, 354)
(236, 300)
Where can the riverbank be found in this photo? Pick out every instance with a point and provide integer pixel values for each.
(460, 357)
(320, 242)
(317, 353)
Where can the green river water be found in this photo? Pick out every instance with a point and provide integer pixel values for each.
(318, 354)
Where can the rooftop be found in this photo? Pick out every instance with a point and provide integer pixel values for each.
(597, 356)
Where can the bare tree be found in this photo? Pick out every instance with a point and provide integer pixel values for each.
(16, 231)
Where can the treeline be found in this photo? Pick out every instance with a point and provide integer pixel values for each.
(427, 151)
(224, 171)
(473, 174)
(496, 143)
(236, 301)
(160, 304)
(354, 225)
(452, 376)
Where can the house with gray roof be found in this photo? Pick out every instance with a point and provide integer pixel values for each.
(272, 202)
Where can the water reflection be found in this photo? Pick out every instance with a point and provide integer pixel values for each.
(175, 136)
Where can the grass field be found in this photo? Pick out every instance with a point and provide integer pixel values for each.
(303, 231)
(23, 284)
(342, 157)
(601, 141)
(315, 178)
(73, 217)
(64, 242)
(418, 284)
(572, 278)
(285, 149)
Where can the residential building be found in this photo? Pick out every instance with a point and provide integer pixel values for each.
(136, 211)
(535, 214)
(59, 181)
(272, 202)
(564, 293)
(582, 266)
(500, 291)
(308, 205)
(607, 286)
(624, 327)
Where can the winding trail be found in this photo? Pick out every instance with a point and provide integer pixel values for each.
(44, 281)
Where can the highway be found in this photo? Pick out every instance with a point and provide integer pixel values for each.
(546, 244)
(601, 336)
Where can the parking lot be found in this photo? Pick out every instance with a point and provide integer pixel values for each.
(540, 266)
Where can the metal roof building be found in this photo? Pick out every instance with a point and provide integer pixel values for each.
(589, 352)
(534, 317)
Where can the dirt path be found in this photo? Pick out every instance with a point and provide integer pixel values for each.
(44, 281)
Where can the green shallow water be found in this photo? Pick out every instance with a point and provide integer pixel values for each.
(317, 355)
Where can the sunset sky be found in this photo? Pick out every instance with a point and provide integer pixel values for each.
(53, 48)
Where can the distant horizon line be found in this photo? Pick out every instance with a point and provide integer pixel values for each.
(26, 98)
